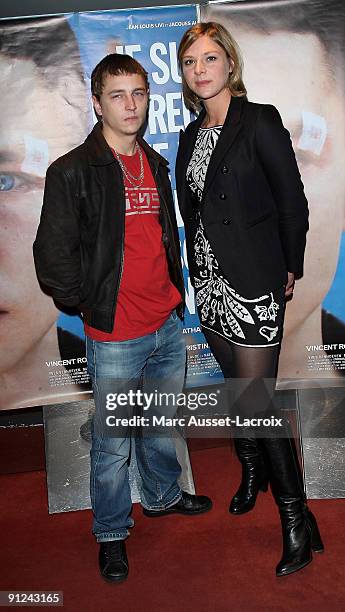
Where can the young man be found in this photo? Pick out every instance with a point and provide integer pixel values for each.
(107, 244)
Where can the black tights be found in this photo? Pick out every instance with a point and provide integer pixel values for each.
(251, 372)
(258, 367)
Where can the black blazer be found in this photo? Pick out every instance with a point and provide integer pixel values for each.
(254, 210)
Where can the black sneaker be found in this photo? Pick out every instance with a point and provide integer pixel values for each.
(188, 504)
(113, 562)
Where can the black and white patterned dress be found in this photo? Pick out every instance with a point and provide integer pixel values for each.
(248, 322)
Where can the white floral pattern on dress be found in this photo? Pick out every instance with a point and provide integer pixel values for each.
(267, 313)
(218, 303)
(220, 307)
(197, 167)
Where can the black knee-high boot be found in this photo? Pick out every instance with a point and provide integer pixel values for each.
(300, 532)
(254, 475)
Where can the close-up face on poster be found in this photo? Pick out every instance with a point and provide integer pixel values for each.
(46, 65)
(293, 56)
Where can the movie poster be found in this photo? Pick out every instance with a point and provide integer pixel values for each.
(152, 37)
(293, 52)
(293, 59)
(45, 111)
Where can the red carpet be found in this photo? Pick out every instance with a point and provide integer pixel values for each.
(213, 562)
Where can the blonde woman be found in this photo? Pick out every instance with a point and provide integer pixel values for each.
(246, 219)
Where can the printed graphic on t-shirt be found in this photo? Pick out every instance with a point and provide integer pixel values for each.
(142, 200)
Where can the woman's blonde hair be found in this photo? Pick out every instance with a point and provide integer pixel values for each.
(223, 38)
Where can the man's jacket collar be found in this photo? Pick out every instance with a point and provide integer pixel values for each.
(100, 154)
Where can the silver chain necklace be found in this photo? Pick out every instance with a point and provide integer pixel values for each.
(134, 181)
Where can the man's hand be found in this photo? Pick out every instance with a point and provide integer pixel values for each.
(290, 285)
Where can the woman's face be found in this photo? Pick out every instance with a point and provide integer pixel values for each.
(206, 68)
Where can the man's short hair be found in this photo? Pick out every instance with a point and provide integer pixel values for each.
(115, 64)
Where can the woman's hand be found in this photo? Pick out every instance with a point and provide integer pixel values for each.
(289, 287)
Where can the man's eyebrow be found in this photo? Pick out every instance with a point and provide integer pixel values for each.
(117, 91)
(8, 155)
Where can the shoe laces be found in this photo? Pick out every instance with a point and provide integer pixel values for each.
(114, 551)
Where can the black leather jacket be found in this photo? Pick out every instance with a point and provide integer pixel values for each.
(79, 247)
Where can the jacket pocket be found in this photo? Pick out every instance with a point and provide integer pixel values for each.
(258, 219)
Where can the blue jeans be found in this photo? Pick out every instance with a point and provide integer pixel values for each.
(152, 362)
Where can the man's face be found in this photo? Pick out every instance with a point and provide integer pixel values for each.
(290, 71)
(123, 104)
(34, 122)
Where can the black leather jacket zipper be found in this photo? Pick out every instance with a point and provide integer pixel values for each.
(170, 243)
(159, 189)
(117, 288)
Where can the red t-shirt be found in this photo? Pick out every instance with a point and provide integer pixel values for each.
(146, 296)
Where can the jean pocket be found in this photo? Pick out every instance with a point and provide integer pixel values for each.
(174, 315)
